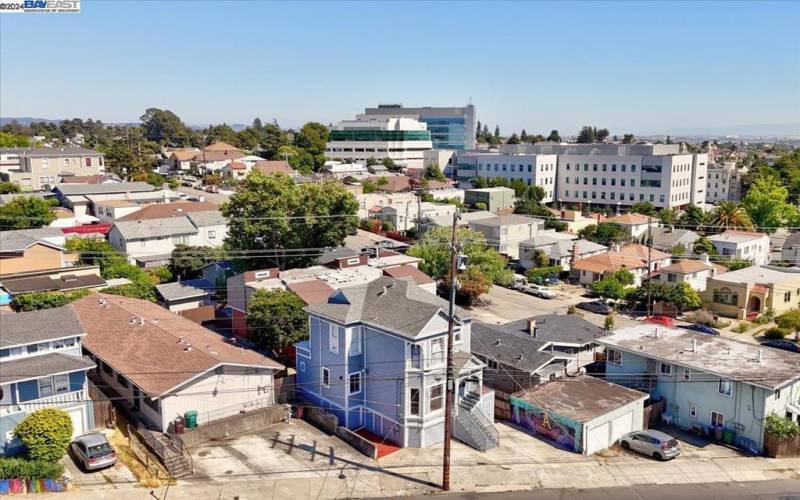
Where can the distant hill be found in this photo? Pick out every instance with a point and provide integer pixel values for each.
(26, 120)
(752, 130)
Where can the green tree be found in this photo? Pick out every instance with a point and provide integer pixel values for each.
(693, 217)
(540, 259)
(497, 132)
(683, 297)
(605, 233)
(277, 319)
(790, 320)
(644, 208)
(736, 264)
(667, 216)
(766, 204)
(730, 215)
(164, 126)
(554, 136)
(436, 256)
(277, 218)
(433, 172)
(628, 139)
(472, 283)
(514, 139)
(389, 164)
(9, 140)
(678, 250)
(608, 288)
(601, 134)
(312, 138)
(480, 206)
(25, 212)
(586, 135)
(187, 260)
(478, 136)
(35, 301)
(608, 324)
(46, 434)
(8, 187)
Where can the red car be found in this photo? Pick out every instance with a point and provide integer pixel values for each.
(661, 320)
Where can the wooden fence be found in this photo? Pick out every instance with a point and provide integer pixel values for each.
(652, 414)
(104, 414)
(776, 447)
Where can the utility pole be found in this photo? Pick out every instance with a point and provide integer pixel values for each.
(649, 255)
(450, 385)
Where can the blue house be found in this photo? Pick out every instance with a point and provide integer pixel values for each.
(721, 387)
(376, 359)
(41, 366)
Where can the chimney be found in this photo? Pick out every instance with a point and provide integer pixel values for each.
(532, 327)
(760, 355)
(656, 333)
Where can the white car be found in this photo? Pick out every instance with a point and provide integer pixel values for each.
(540, 291)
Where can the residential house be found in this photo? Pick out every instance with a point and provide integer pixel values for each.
(667, 238)
(574, 219)
(90, 179)
(710, 385)
(422, 280)
(188, 367)
(235, 170)
(183, 295)
(494, 199)
(657, 258)
(590, 269)
(340, 170)
(463, 221)
(269, 167)
(790, 250)
(745, 245)
(583, 414)
(108, 211)
(636, 225)
(559, 248)
(371, 204)
(41, 366)
(528, 352)
(375, 359)
(695, 272)
(63, 279)
(42, 168)
(9, 159)
(26, 250)
(82, 198)
(505, 232)
(748, 292)
(405, 217)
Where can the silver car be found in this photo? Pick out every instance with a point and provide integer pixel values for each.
(93, 452)
(656, 444)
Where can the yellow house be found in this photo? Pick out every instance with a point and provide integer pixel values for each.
(33, 250)
(752, 290)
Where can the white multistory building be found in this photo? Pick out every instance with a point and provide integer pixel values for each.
(533, 169)
(403, 140)
(724, 182)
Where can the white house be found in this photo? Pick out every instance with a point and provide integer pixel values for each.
(636, 225)
(559, 248)
(692, 271)
(405, 217)
(742, 245)
(505, 232)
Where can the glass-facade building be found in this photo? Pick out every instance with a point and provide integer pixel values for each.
(450, 128)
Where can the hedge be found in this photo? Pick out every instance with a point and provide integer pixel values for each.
(46, 434)
(19, 468)
(776, 333)
(543, 271)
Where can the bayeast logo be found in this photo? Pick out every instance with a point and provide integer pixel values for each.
(40, 6)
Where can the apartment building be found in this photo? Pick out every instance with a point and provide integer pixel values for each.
(533, 169)
(40, 168)
(504, 233)
(403, 140)
(450, 127)
(724, 182)
(742, 245)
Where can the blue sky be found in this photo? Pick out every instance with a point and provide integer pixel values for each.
(641, 67)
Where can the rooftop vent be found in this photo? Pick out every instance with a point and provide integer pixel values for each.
(760, 355)
(497, 342)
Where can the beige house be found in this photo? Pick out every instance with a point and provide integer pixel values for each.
(33, 250)
(43, 167)
(747, 292)
(504, 233)
(636, 225)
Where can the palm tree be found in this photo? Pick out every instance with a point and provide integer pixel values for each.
(731, 215)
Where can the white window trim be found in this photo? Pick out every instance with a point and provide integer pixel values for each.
(661, 369)
(333, 332)
(694, 410)
(608, 357)
(719, 387)
(355, 342)
(325, 371)
(420, 391)
(687, 375)
(360, 382)
(711, 417)
(430, 398)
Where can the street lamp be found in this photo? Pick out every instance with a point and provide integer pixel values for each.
(559, 203)
(619, 204)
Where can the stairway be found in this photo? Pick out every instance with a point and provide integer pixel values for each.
(472, 427)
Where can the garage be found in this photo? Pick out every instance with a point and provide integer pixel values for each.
(582, 414)
(78, 417)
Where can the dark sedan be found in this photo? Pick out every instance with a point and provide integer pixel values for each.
(702, 329)
(595, 306)
(786, 345)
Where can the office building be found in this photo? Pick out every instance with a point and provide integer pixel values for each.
(450, 128)
(533, 169)
(403, 140)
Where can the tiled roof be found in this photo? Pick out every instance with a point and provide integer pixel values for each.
(34, 367)
(164, 210)
(219, 155)
(631, 219)
(686, 267)
(38, 326)
(643, 252)
(237, 165)
(161, 354)
(609, 261)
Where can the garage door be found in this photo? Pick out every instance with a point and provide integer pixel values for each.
(621, 426)
(78, 425)
(597, 439)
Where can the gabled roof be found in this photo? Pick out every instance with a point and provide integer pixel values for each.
(39, 326)
(219, 156)
(164, 210)
(631, 219)
(221, 146)
(162, 354)
(34, 367)
(643, 252)
(21, 239)
(237, 165)
(733, 236)
(687, 266)
(504, 344)
(397, 305)
(313, 291)
(665, 238)
(608, 262)
(408, 271)
(207, 218)
(154, 228)
(507, 220)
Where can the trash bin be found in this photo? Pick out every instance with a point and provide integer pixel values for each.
(179, 426)
(729, 436)
(191, 419)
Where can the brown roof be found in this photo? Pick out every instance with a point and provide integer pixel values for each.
(631, 219)
(186, 154)
(82, 179)
(394, 183)
(237, 165)
(219, 155)
(609, 261)
(311, 292)
(642, 252)
(221, 146)
(408, 271)
(155, 355)
(686, 267)
(268, 167)
(164, 210)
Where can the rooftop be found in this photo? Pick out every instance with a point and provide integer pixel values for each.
(609, 261)
(111, 188)
(631, 219)
(57, 152)
(313, 291)
(723, 357)
(154, 228)
(507, 220)
(665, 238)
(206, 218)
(407, 271)
(20, 239)
(642, 252)
(33, 367)
(44, 283)
(38, 326)
(761, 274)
(731, 236)
(180, 290)
(687, 266)
(164, 210)
(581, 398)
(153, 347)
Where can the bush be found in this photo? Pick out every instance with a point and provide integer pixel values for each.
(543, 272)
(743, 327)
(776, 333)
(19, 468)
(45, 433)
(781, 427)
(34, 301)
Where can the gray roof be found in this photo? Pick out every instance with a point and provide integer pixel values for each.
(507, 220)
(188, 289)
(205, 218)
(111, 188)
(505, 343)
(397, 305)
(52, 152)
(154, 228)
(49, 283)
(39, 326)
(19, 240)
(664, 238)
(333, 254)
(792, 240)
(34, 367)
(563, 248)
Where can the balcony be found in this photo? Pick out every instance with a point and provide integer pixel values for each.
(62, 399)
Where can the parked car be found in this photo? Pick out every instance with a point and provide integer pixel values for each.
(701, 328)
(786, 345)
(661, 320)
(656, 444)
(92, 451)
(540, 291)
(519, 282)
(212, 189)
(595, 306)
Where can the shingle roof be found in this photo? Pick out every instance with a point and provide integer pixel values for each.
(206, 218)
(313, 291)
(563, 248)
(37, 326)
(112, 188)
(33, 367)
(179, 290)
(686, 267)
(48, 283)
(665, 238)
(19, 240)
(408, 271)
(164, 210)
(609, 261)
(154, 228)
(509, 347)
(395, 304)
(155, 355)
(642, 252)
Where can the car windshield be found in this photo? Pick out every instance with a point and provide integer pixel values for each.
(100, 449)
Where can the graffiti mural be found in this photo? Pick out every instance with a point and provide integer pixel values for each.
(543, 425)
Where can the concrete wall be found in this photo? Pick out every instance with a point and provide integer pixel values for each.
(244, 423)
